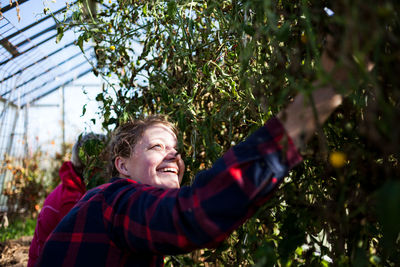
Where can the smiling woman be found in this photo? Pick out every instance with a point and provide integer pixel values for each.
(154, 159)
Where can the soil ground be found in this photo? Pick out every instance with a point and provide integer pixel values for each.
(15, 252)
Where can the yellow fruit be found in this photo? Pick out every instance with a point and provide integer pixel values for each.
(303, 38)
(112, 48)
(337, 159)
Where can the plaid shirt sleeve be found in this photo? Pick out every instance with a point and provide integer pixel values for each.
(124, 223)
(146, 218)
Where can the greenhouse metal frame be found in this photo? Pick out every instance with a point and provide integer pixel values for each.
(32, 66)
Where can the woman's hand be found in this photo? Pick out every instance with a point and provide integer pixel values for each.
(299, 118)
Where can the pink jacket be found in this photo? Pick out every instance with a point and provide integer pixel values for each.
(55, 207)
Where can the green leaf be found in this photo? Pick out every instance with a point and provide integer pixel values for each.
(100, 97)
(171, 9)
(389, 214)
(80, 42)
(249, 29)
(83, 110)
(60, 34)
(283, 32)
(145, 9)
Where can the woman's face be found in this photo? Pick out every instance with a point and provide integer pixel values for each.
(155, 160)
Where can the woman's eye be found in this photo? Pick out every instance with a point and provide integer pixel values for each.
(156, 146)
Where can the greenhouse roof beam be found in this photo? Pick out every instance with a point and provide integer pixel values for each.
(50, 69)
(32, 64)
(56, 88)
(53, 27)
(9, 47)
(30, 48)
(35, 23)
(11, 6)
(49, 81)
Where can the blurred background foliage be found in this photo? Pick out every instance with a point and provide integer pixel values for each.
(220, 69)
(34, 177)
(27, 188)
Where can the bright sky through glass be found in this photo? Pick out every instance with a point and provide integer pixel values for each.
(40, 72)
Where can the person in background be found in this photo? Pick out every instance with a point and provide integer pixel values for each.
(61, 200)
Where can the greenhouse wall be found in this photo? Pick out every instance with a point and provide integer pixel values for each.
(13, 146)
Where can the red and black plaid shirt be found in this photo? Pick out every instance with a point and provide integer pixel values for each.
(125, 223)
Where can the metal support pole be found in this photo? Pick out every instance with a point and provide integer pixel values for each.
(63, 119)
(26, 128)
(12, 133)
(3, 199)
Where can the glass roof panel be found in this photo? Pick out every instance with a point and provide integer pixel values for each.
(32, 64)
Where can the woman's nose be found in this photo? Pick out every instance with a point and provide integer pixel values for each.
(172, 153)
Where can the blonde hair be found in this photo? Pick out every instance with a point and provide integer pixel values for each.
(126, 136)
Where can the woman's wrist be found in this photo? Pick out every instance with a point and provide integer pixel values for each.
(298, 118)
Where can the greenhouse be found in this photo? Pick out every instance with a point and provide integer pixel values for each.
(33, 66)
(221, 72)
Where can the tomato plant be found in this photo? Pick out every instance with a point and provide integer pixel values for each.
(222, 68)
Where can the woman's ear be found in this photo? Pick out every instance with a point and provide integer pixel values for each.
(120, 165)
